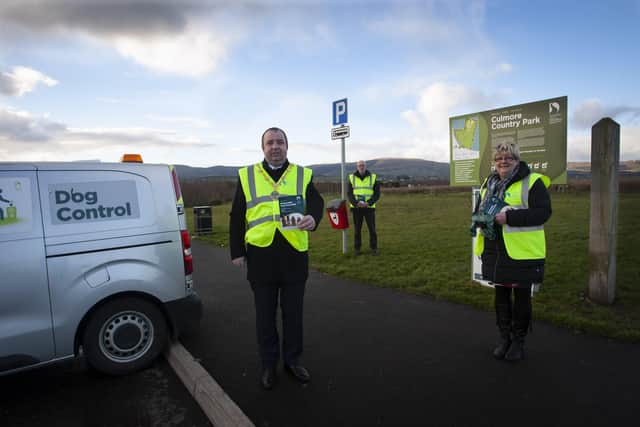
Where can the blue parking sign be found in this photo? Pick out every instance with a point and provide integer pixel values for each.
(340, 112)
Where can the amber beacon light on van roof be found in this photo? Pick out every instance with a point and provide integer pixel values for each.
(131, 158)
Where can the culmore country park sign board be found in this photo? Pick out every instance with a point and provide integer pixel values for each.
(539, 128)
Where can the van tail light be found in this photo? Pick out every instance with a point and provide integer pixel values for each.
(186, 252)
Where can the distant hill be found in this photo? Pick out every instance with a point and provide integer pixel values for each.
(631, 165)
(190, 172)
(582, 170)
(385, 168)
(391, 168)
(388, 168)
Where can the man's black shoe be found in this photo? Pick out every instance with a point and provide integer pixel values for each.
(299, 372)
(268, 378)
(374, 252)
(516, 351)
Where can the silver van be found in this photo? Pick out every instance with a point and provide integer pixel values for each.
(95, 259)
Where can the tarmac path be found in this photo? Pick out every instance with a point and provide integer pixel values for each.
(70, 394)
(380, 357)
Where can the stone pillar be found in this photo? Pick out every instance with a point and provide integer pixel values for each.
(605, 159)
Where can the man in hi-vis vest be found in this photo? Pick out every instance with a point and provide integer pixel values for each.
(274, 208)
(363, 192)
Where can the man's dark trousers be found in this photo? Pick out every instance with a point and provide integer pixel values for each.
(369, 215)
(291, 296)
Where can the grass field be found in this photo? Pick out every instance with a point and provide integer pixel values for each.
(425, 248)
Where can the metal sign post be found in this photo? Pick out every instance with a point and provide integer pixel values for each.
(476, 263)
(343, 196)
(340, 117)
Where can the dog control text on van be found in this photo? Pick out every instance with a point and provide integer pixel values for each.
(95, 258)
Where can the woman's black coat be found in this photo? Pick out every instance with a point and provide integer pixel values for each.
(497, 266)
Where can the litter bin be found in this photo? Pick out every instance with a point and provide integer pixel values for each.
(202, 219)
(337, 212)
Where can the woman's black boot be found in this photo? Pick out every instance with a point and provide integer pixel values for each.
(503, 321)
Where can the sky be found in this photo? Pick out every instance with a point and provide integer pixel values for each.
(197, 82)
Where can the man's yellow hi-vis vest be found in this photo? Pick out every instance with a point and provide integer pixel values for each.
(363, 187)
(521, 242)
(263, 209)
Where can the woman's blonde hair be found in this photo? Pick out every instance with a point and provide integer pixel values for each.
(511, 149)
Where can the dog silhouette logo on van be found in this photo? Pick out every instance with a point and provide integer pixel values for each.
(8, 214)
(15, 205)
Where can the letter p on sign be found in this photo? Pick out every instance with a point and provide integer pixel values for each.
(340, 112)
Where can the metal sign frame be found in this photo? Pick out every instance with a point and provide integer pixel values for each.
(340, 132)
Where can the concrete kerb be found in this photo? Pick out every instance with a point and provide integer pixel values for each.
(216, 404)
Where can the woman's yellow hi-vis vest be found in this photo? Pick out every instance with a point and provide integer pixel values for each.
(521, 242)
(263, 209)
(363, 187)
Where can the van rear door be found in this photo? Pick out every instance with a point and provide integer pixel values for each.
(26, 334)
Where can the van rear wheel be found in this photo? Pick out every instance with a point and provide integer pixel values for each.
(124, 336)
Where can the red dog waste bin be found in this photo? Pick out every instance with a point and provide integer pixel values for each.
(337, 212)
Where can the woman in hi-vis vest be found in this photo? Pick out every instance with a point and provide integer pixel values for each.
(513, 247)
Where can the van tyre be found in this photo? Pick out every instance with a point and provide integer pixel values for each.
(124, 336)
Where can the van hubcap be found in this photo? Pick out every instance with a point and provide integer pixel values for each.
(126, 336)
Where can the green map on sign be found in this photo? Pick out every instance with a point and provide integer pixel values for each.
(465, 136)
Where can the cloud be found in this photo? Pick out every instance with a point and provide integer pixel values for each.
(22, 80)
(434, 22)
(452, 32)
(22, 126)
(504, 67)
(430, 118)
(162, 35)
(24, 136)
(579, 145)
(591, 111)
(183, 121)
(460, 49)
(98, 16)
(109, 100)
(127, 137)
(192, 53)
(630, 143)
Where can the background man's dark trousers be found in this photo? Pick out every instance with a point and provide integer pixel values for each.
(368, 215)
